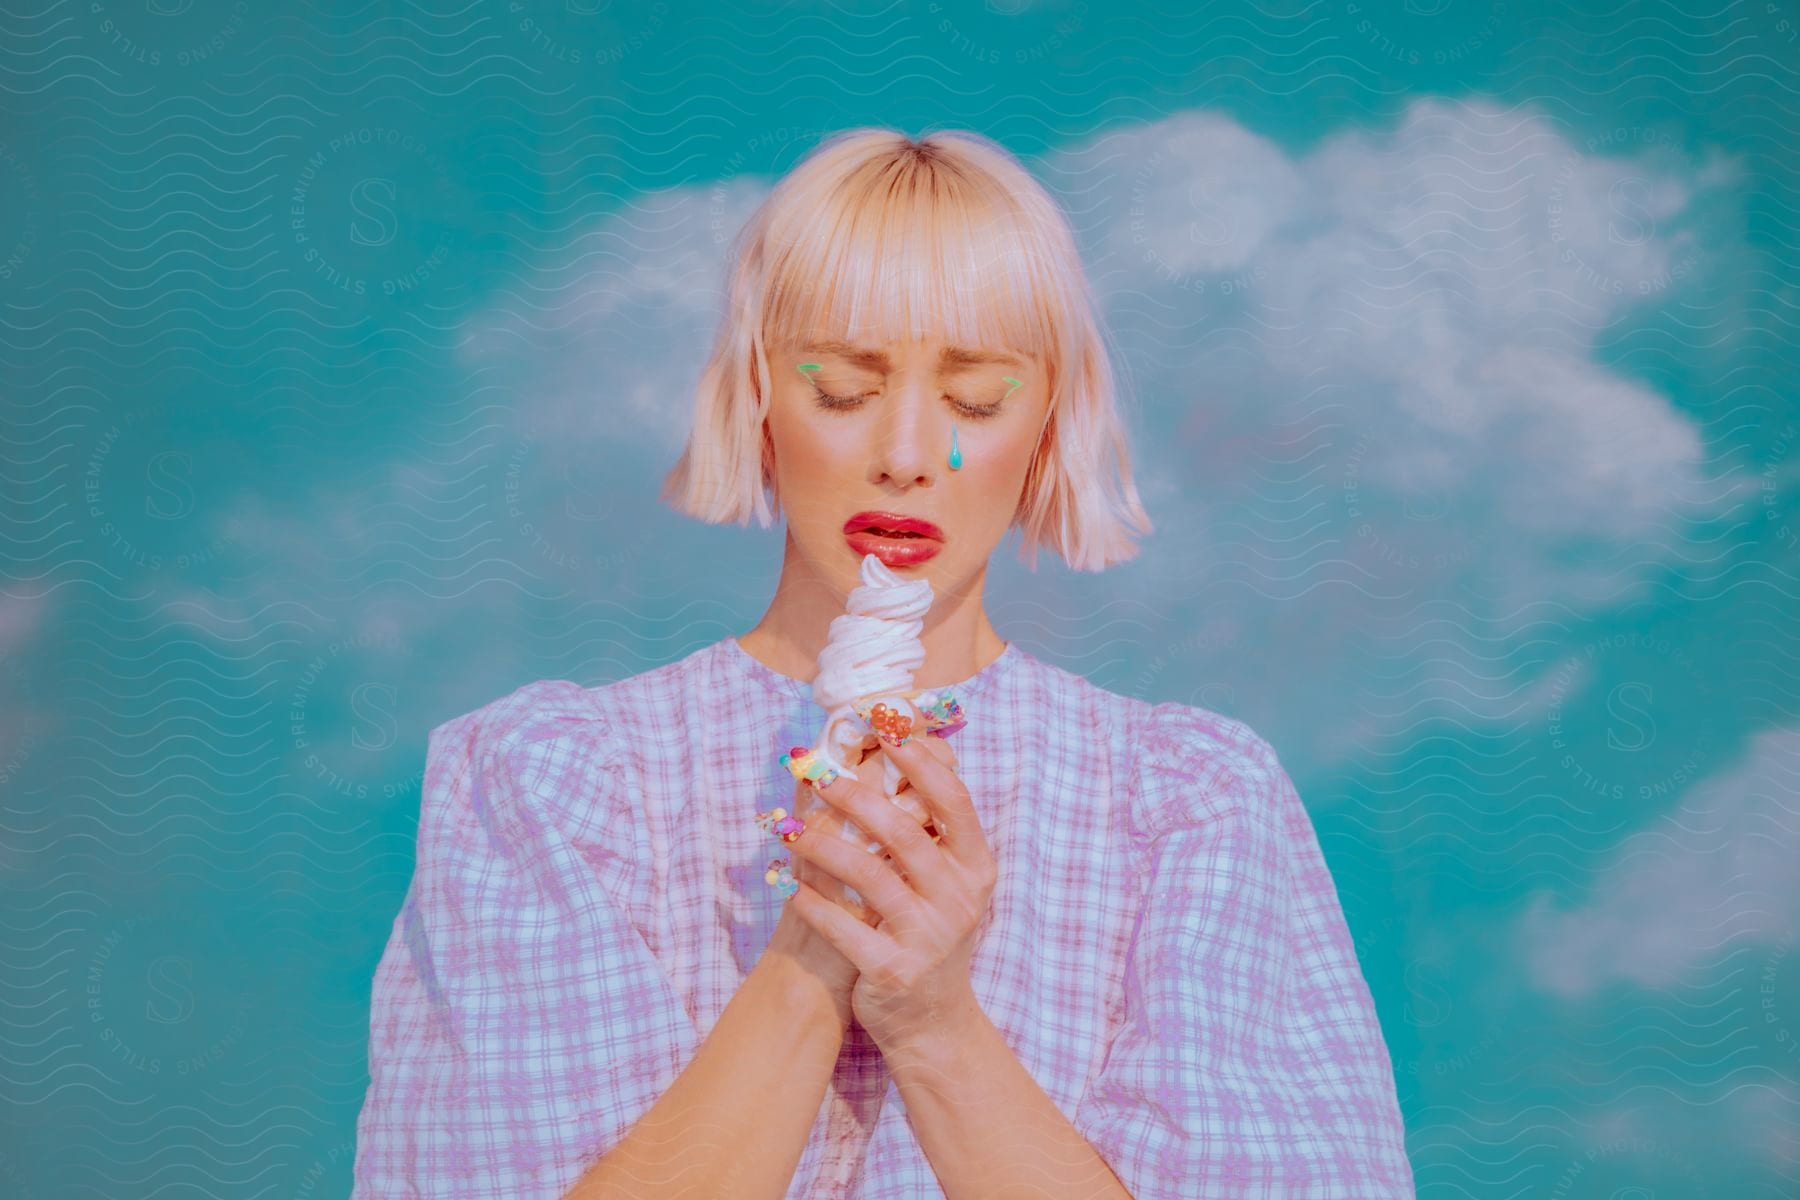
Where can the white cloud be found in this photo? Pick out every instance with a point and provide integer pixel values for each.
(1674, 895)
(1371, 399)
(605, 344)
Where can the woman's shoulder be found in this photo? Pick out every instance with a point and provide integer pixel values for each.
(561, 715)
(1196, 765)
(533, 712)
(1168, 731)
(1181, 764)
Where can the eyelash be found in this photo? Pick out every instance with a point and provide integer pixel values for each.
(845, 403)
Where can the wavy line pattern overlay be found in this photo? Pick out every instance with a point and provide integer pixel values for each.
(343, 349)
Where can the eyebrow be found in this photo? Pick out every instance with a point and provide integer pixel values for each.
(952, 356)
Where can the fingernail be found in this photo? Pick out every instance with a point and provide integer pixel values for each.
(809, 766)
(892, 723)
(778, 823)
(942, 714)
(780, 877)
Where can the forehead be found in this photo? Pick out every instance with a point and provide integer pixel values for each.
(882, 358)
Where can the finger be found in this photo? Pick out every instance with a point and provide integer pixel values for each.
(868, 785)
(874, 880)
(806, 804)
(906, 802)
(941, 750)
(853, 939)
(832, 889)
(897, 831)
(939, 787)
(830, 823)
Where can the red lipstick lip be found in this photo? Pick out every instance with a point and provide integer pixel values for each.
(893, 551)
(892, 523)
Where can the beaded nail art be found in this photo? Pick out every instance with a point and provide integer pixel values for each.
(780, 877)
(892, 726)
(778, 823)
(943, 715)
(809, 766)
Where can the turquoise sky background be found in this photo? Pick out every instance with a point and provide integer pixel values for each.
(344, 350)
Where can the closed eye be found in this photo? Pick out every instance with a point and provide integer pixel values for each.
(846, 403)
(839, 402)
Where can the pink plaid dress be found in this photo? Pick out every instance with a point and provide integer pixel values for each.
(1165, 951)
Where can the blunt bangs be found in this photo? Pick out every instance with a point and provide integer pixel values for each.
(909, 262)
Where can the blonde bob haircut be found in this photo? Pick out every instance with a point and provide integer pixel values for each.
(876, 238)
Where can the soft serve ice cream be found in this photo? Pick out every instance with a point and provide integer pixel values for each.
(871, 652)
(869, 657)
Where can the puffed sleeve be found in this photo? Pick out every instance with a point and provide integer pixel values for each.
(519, 1023)
(1249, 1062)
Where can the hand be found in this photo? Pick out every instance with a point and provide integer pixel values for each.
(914, 964)
(797, 939)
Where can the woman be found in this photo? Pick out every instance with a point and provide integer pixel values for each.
(1114, 965)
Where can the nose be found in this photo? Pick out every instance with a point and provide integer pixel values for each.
(907, 437)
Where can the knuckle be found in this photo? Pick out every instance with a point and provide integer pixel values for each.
(889, 975)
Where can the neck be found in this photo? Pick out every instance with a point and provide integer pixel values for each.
(958, 639)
